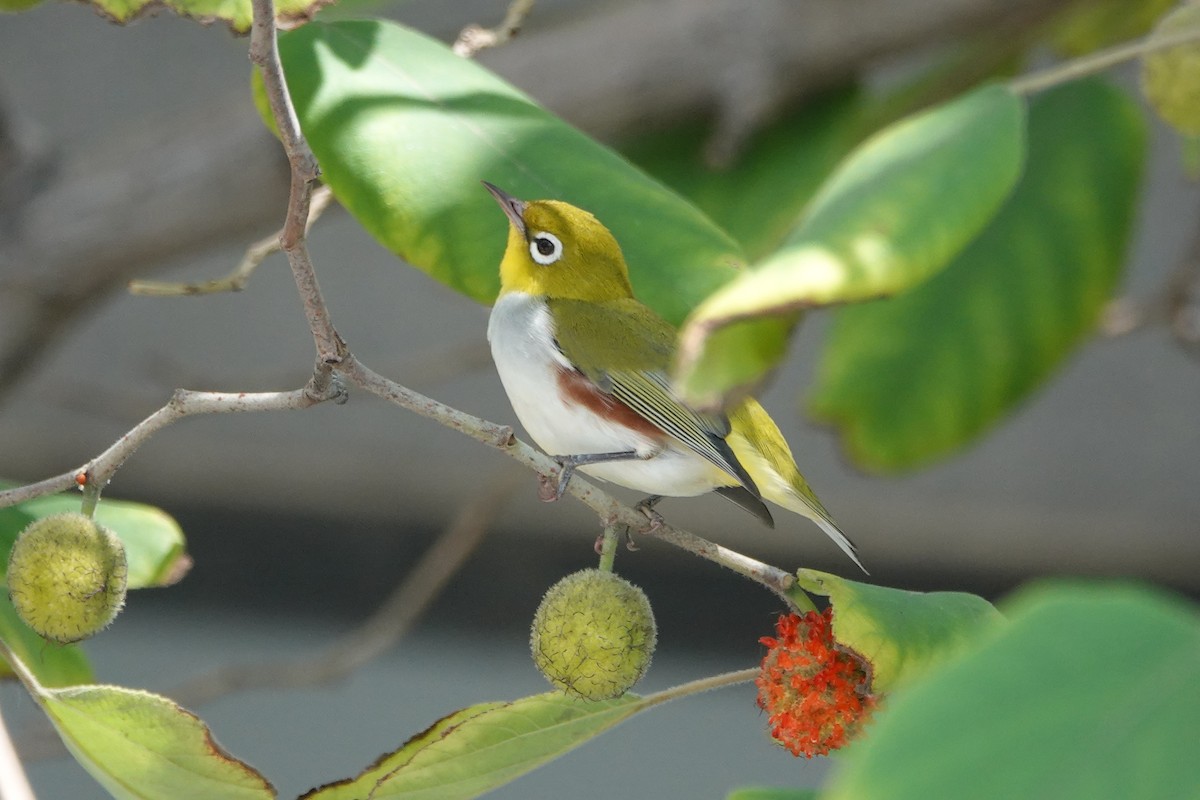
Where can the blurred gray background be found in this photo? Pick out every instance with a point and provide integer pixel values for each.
(301, 522)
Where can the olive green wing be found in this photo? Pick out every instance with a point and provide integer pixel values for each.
(635, 347)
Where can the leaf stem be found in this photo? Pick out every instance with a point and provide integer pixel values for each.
(800, 600)
(703, 685)
(608, 547)
(91, 498)
(1102, 60)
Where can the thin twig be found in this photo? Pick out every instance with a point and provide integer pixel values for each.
(237, 279)
(610, 510)
(182, 404)
(14, 785)
(475, 37)
(384, 628)
(1102, 60)
(264, 53)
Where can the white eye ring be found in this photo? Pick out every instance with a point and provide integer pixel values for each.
(538, 244)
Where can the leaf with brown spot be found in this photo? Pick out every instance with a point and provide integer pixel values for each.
(236, 13)
(476, 749)
(140, 746)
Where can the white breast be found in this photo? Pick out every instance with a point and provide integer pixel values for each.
(521, 334)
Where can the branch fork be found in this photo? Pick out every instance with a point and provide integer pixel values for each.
(336, 367)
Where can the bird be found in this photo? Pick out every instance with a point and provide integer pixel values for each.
(586, 366)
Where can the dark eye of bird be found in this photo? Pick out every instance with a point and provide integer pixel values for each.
(544, 246)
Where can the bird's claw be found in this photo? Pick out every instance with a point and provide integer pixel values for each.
(647, 509)
(550, 487)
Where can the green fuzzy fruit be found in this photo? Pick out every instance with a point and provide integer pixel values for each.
(66, 577)
(593, 635)
(1171, 78)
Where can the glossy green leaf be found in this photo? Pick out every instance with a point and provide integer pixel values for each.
(482, 747)
(758, 198)
(913, 378)
(405, 131)
(54, 664)
(235, 13)
(901, 634)
(140, 746)
(154, 543)
(1089, 693)
(896, 211)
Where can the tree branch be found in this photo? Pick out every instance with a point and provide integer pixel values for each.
(332, 352)
(264, 53)
(475, 38)
(610, 510)
(183, 403)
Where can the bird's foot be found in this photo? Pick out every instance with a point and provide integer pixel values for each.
(647, 509)
(549, 490)
(552, 487)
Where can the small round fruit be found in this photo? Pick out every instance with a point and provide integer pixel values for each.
(66, 577)
(593, 635)
(1171, 77)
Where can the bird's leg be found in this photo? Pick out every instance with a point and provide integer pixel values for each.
(568, 465)
(647, 508)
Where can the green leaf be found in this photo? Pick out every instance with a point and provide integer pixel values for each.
(759, 197)
(54, 664)
(236, 13)
(140, 746)
(11, 6)
(482, 747)
(914, 378)
(1085, 27)
(900, 207)
(1089, 693)
(772, 793)
(902, 634)
(154, 543)
(404, 131)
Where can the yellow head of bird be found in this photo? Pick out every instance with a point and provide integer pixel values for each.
(557, 250)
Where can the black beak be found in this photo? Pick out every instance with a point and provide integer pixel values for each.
(512, 207)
